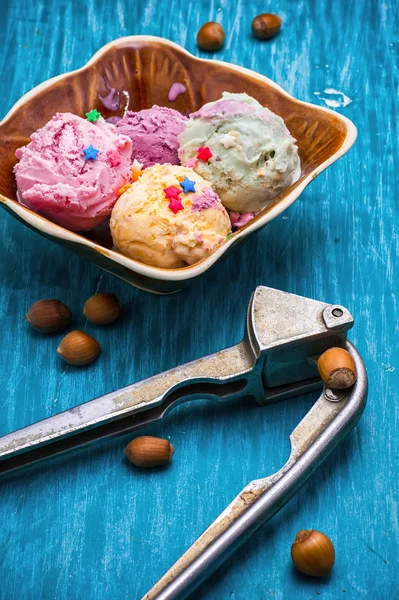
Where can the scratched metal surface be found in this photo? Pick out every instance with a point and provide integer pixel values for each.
(92, 527)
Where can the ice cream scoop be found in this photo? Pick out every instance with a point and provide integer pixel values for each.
(243, 149)
(170, 217)
(71, 170)
(153, 132)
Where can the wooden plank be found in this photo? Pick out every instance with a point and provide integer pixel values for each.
(93, 527)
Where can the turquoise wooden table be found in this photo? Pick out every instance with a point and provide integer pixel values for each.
(93, 527)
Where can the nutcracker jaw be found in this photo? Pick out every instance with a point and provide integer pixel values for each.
(287, 333)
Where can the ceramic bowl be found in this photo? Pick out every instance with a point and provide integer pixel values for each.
(143, 68)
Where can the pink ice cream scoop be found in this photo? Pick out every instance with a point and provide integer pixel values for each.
(71, 170)
(153, 132)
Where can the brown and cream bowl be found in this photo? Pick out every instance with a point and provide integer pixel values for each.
(143, 69)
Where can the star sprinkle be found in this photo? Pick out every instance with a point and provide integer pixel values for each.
(172, 192)
(93, 115)
(137, 168)
(228, 141)
(90, 153)
(187, 185)
(175, 205)
(204, 154)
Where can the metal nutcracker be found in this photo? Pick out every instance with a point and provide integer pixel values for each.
(277, 359)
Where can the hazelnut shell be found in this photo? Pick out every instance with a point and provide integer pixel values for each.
(49, 316)
(102, 308)
(337, 368)
(210, 36)
(266, 26)
(148, 451)
(79, 348)
(313, 553)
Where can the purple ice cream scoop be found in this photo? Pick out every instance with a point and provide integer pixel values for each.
(153, 132)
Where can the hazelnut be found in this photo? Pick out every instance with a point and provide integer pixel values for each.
(210, 36)
(313, 553)
(337, 368)
(266, 26)
(49, 316)
(102, 308)
(79, 348)
(148, 451)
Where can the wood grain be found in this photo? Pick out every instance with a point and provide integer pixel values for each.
(93, 527)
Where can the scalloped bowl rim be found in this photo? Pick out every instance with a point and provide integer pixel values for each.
(48, 227)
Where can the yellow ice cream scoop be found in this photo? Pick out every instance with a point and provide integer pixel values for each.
(170, 218)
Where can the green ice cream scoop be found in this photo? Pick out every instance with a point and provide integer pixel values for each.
(254, 157)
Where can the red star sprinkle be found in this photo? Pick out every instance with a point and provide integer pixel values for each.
(172, 192)
(204, 154)
(175, 205)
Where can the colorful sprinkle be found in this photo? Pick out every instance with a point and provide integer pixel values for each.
(204, 154)
(175, 205)
(228, 141)
(229, 236)
(93, 115)
(188, 185)
(137, 168)
(172, 192)
(192, 163)
(90, 153)
(123, 189)
(198, 238)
